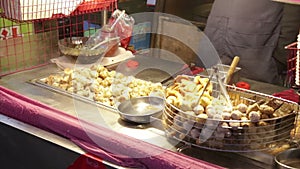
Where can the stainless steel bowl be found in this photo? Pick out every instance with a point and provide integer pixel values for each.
(77, 48)
(288, 159)
(141, 109)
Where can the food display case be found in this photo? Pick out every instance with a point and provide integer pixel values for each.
(74, 111)
(63, 121)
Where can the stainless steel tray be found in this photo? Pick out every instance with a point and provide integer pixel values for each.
(39, 83)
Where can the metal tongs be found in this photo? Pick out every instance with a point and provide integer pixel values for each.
(212, 124)
(223, 90)
(215, 70)
(106, 40)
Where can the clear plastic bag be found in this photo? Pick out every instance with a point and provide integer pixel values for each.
(123, 25)
(116, 32)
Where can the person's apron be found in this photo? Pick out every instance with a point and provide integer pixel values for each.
(248, 29)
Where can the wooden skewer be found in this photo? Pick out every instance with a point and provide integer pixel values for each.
(231, 70)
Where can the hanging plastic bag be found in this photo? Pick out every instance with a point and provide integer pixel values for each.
(123, 25)
(105, 42)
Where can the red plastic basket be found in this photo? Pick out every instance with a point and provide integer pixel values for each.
(28, 10)
(95, 5)
(291, 65)
(26, 44)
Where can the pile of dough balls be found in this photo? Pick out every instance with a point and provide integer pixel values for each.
(101, 85)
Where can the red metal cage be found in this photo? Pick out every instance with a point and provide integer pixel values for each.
(30, 29)
(291, 64)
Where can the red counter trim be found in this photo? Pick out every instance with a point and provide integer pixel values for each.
(42, 116)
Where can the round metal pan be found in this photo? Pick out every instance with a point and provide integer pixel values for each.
(288, 159)
(141, 109)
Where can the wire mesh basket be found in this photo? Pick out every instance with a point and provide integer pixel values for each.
(234, 135)
(30, 29)
(31, 10)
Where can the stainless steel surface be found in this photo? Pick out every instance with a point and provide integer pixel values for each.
(223, 69)
(104, 116)
(152, 69)
(96, 114)
(288, 159)
(263, 87)
(141, 109)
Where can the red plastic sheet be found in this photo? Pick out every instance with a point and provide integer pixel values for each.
(124, 147)
(288, 94)
(87, 161)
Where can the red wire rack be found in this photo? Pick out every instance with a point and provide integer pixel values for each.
(291, 65)
(29, 34)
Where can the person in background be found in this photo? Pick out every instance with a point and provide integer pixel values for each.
(249, 29)
(290, 27)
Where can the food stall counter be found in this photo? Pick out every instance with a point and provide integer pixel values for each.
(101, 117)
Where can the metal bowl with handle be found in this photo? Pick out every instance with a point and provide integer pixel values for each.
(141, 109)
(288, 159)
(76, 48)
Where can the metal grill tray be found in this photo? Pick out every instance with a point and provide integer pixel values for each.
(147, 70)
(39, 83)
(240, 139)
